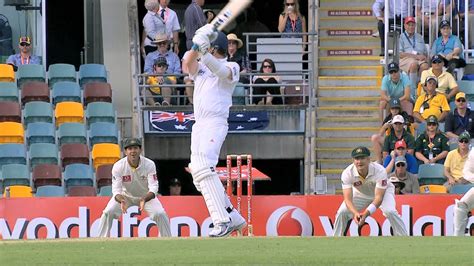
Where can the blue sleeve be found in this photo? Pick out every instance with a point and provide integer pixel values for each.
(377, 7)
(406, 81)
(434, 48)
(386, 161)
(177, 64)
(385, 83)
(148, 68)
(11, 59)
(412, 164)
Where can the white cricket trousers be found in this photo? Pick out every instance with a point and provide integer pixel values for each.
(361, 202)
(207, 138)
(153, 207)
(461, 208)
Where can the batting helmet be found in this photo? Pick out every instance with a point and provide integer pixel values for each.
(220, 43)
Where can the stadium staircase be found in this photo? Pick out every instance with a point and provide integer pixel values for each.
(349, 82)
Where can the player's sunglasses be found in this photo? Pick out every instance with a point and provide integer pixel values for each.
(464, 141)
(24, 44)
(461, 100)
(290, 4)
(400, 165)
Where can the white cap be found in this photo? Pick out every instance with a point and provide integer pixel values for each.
(398, 119)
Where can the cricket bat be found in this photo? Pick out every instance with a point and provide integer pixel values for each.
(231, 11)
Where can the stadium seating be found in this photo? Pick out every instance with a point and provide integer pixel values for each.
(8, 92)
(34, 91)
(433, 189)
(74, 153)
(72, 133)
(12, 153)
(10, 111)
(40, 132)
(37, 112)
(66, 91)
(6, 73)
(92, 72)
(431, 174)
(460, 189)
(97, 92)
(105, 191)
(18, 192)
(11, 132)
(46, 174)
(467, 86)
(103, 132)
(69, 112)
(100, 112)
(43, 153)
(105, 153)
(30, 72)
(103, 175)
(15, 174)
(50, 191)
(61, 72)
(82, 191)
(78, 175)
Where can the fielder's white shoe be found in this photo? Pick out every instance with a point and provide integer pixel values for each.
(237, 222)
(221, 230)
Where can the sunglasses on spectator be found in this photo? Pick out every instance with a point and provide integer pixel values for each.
(233, 42)
(161, 65)
(464, 141)
(432, 124)
(290, 4)
(162, 43)
(267, 66)
(400, 148)
(437, 61)
(393, 71)
(24, 44)
(400, 165)
(461, 100)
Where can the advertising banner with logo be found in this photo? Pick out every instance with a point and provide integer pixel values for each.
(271, 216)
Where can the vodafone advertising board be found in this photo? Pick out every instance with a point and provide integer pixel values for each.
(271, 216)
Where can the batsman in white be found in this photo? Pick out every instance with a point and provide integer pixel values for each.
(365, 186)
(134, 183)
(466, 203)
(214, 81)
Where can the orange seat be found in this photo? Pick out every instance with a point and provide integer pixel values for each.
(12, 132)
(105, 153)
(18, 192)
(431, 189)
(69, 112)
(6, 73)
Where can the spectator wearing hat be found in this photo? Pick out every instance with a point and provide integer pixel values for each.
(273, 93)
(235, 54)
(431, 103)
(449, 46)
(432, 146)
(461, 120)
(446, 82)
(174, 63)
(24, 57)
(175, 187)
(395, 85)
(401, 150)
(413, 54)
(454, 164)
(398, 132)
(404, 180)
(159, 93)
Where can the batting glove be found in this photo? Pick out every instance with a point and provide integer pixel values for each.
(201, 43)
(209, 31)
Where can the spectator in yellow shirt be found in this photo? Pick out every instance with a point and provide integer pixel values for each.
(455, 161)
(431, 103)
(446, 82)
(159, 93)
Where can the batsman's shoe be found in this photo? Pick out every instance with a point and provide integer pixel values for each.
(221, 230)
(237, 222)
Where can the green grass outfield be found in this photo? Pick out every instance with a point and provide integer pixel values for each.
(257, 250)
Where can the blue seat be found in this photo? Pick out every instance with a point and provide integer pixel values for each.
(105, 191)
(467, 86)
(50, 191)
(15, 174)
(9, 92)
(30, 72)
(12, 153)
(92, 72)
(37, 112)
(61, 72)
(431, 174)
(72, 133)
(43, 153)
(100, 112)
(460, 189)
(78, 174)
(40, 132)
(103, 132)
(66, 91)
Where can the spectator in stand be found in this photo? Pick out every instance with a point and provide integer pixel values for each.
(461, 119)
(273, 92)
(413, 54)
(24, 57)
(462, 16)
(159, 94)
(455, 161)
(292, 21)
(378, 139)
(398, 132)
(236, 54)
(401, 150)
(210, 15)
(449, 46)
(432, 146)
(446, 82)
(175, 187)
(174, 64)
(194, 18)
(429, 10)
(408, 182)
(152, 25)
(431, 103)
(395, 85)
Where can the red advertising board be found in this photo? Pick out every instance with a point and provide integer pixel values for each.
(343, 13)
(342, 32)
(351, 52)
(271, 216)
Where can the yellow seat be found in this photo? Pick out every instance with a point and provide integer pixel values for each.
(69, 112)
(12, 132)
(431, 189)
(18, 192)
(6, 73)
(105, 153)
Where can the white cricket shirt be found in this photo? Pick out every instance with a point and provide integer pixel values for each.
(376, 178)
(134, 183)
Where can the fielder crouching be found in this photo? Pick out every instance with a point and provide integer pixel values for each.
(365, 186)
(134, 183)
